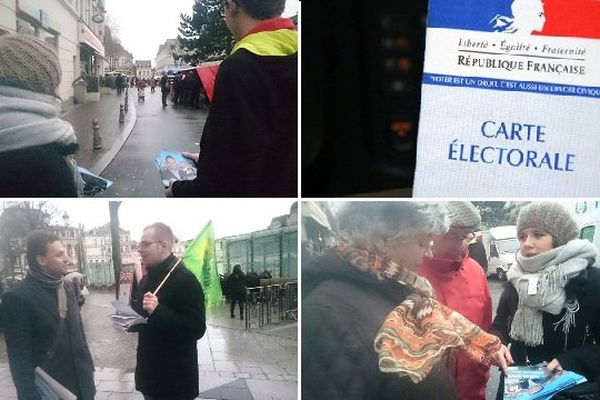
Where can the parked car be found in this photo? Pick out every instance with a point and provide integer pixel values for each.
(501, 246)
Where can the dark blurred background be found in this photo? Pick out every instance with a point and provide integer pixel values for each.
(362, 64)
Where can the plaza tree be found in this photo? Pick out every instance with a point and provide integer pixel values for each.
(17, 220)
(203, 34)
(498, 213)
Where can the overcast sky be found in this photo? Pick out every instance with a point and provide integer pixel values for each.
(143, 25)
(186, 217)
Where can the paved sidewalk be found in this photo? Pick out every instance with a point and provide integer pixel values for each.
(234, 364)
(113, 134)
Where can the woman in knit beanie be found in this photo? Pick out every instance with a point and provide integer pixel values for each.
(36, 146)
(550, 308)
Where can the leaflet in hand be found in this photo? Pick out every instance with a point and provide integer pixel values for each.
(173, 166)
(533, 383)
(125, 318)
(94, 184)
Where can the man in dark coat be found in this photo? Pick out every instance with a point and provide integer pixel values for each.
(31, 324)
(477, 252)
(164, 88)
(249, 142)
(119, 81)
(167, 357)
(237, 289)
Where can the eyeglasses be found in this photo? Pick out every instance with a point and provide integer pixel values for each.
(146, 244)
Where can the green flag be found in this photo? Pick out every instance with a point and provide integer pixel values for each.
(200, 259)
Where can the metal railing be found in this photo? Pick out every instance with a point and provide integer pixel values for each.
(270, 304)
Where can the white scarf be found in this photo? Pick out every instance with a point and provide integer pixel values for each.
(29, 119)
(540, 283)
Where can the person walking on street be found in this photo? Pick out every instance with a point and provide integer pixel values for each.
(42, 324)
(237, 289)
(164, 88)
(253, 153)
(119, 81)
(167, 355)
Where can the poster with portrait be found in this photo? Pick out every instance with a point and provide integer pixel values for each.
(173, 166)
(510, 99)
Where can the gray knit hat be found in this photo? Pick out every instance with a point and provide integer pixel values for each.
(550, 217)
(28, 63)
(463, 215)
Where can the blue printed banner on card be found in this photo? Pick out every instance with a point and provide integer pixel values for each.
(510, 101)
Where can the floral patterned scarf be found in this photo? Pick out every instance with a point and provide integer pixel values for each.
(417, 333)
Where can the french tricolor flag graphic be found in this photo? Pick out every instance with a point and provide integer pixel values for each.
(570, 18)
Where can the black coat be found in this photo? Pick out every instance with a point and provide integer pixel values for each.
(342, 311)
(236, 285)
(167, 357)
(39, 171)
(31, 320)
(249, 142)
(579, 357)
(477, 253)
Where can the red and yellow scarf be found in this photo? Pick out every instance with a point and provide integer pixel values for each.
(417, 333)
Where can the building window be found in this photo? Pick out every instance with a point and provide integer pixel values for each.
(25, 27)
(28, 28)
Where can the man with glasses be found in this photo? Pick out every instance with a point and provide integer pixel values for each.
(460, 283)
(167, 357)
(249, 142)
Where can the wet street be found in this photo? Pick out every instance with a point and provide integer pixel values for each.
(175, 128)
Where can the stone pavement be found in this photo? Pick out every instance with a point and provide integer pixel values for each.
(113, 134)
(233, 363)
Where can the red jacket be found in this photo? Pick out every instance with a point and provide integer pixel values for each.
(463, 287)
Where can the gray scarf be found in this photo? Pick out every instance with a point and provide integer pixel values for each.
(540, 283)
(29, 119)
(49, 281)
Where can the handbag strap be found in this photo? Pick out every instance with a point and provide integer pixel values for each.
(62, 313)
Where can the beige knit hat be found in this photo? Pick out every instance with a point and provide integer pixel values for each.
(463, 215)
(28, 63)
(550, 217)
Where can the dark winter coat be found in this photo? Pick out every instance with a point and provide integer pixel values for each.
(477, 253)
(31, 320)
(39, 171)
(578, 357)
(236, 285)
(167, 357)
(342, 311)
(164, 83)
(249, 142)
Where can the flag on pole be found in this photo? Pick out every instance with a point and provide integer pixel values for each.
(200, 259)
